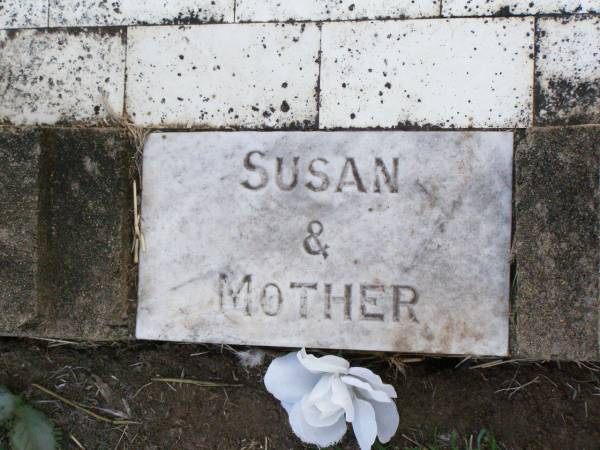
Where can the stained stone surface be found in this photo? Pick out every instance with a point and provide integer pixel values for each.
(65, 233)
(129, 12)
(444, 73)
(250, 75)
(54, 76)
(282, 11)
(505, 7)
(568, 70)
(23, 13)
(86, 201)
(557, 304)
(19, 167)
(347, 254)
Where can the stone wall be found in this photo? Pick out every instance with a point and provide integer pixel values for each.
(302, 64)
(69, 68)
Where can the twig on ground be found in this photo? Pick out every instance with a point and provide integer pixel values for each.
(62, 342)
(140, 390)
(82, 408)
(514, 390)
(411, 440)
(77, 443)
(195, 382)
(497, 362)
(462, 361)
(121, 438)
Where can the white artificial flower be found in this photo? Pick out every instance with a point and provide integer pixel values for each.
(321, 394)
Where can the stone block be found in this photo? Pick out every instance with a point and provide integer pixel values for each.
(568, 70)
(251, 75)
(437, 73)
(83, 13)
(508, 7)
(320, 10)
(556, 312)
(371, 240)
(19, 200)
(23, 13)
(66, 245)
(58, 76)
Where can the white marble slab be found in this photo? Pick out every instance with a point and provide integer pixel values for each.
(251, 75)
(450, 73)
(319, 10)
(52, 76)
(81, 13)
(23, 13)
(422, 255)
(502, 7)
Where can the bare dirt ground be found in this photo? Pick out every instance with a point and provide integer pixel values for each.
(525, 405)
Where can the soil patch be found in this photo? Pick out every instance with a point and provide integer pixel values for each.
(526, 405)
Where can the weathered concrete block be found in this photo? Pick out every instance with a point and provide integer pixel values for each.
(19, 167)
(82, 13)
(23, 13)
(507, 7)
(568, 70)
(85, 192)
(251, 75)
(317, 10)
(65, 247)
(53, 76)
(444, 73)
(557, 224)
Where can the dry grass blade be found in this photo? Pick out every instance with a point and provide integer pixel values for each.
(513, 390)
(195, 382)
(400, 363)
(495, 363)
(77, 443)
(62, 342)
(138, 240)
(82, 408)
(137, 136)
(412, 441)
(462, 361)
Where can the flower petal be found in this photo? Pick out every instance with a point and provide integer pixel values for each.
(324, 364)
(386, 415)
(288, 380)
(287, 406)
(373, 379)
(364, 424)
(365, 389)
(326, 407)
(317, 407)
(341, 396)
(318, 418)
(321, 436)
(321, 389)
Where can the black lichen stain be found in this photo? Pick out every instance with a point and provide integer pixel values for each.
(568, 102)
(502, 12)
(194, 17)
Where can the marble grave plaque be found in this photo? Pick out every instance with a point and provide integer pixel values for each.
(374, 240)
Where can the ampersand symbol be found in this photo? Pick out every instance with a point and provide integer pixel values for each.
(312, 245)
